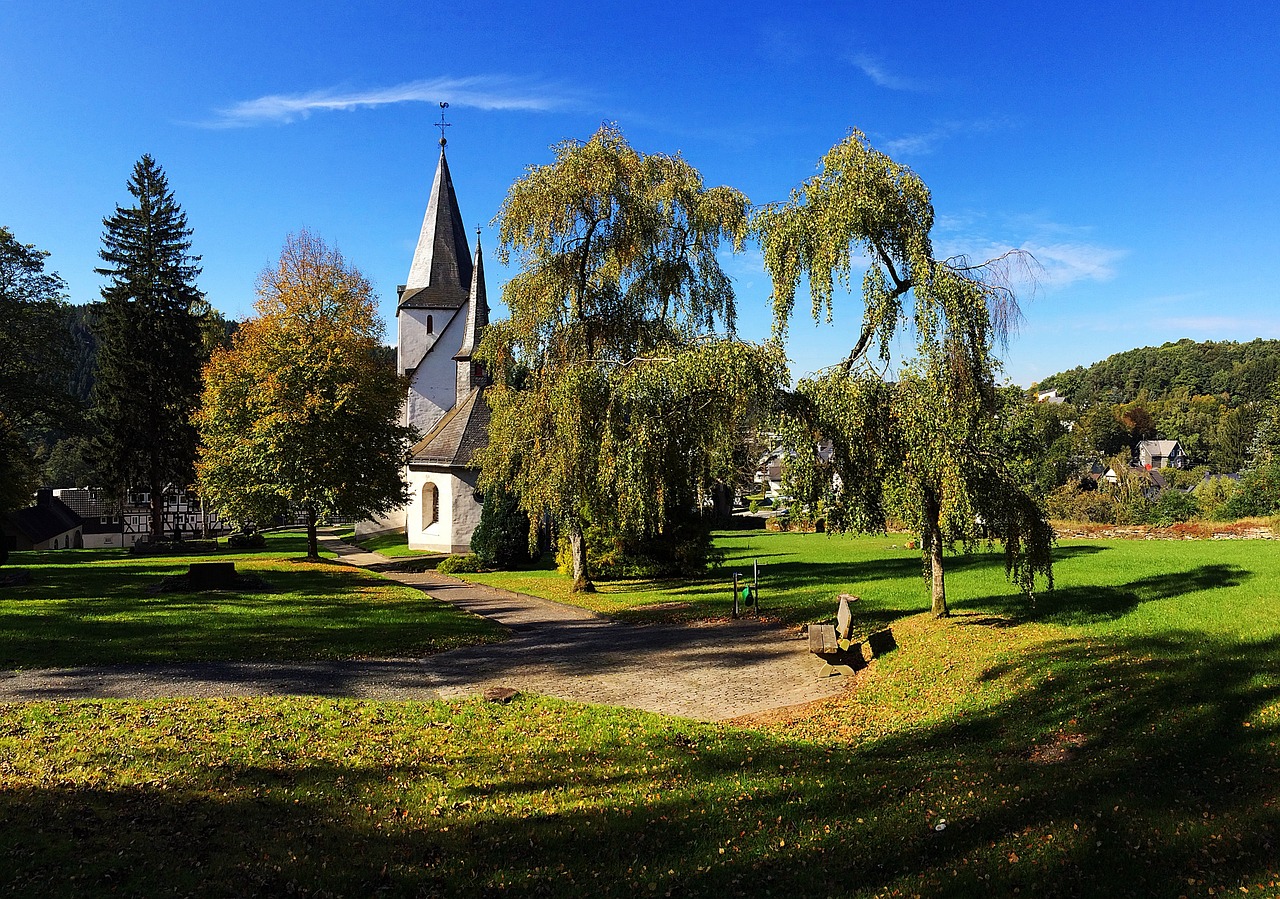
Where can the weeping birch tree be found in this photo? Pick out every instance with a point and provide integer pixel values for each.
(925, 447)
(619, 388)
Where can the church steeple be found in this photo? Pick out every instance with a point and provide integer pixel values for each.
(441, 269)
(470, 375)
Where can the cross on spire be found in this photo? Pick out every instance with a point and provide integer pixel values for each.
(442, 124)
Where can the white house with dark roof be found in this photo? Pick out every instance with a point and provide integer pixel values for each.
(1161, 454)
(442, 312)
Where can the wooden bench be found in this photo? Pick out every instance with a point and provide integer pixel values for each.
(842, 655)
(839, 659)
(831, 643)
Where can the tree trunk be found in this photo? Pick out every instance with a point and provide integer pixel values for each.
(313, 541)
(932, 539)
(4, 548)
(578, 548)
(157, 513)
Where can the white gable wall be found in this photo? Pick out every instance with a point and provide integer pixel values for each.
(432, 389)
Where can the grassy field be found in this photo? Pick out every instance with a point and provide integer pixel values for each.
(1128, 585)
(98, 607)
(394, 546)
(1118, 737)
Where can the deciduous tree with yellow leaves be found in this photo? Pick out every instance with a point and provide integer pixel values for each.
(300, 412)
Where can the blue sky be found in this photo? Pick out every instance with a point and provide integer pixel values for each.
(1132, 148)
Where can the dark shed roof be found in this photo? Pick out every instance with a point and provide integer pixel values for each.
(457, 436)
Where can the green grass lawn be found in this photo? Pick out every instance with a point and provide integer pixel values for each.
(96, 607)
(1116, 738)
(394, 546)
(1128, 585)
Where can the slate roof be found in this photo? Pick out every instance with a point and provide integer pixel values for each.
(478, 313)
(457, 436)
(50, 518)
(88, 503)
(441, 271)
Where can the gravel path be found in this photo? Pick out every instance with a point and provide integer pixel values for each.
(706, 671)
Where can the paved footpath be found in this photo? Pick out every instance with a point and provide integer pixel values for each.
(712, 671)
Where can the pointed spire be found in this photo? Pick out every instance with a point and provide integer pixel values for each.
(441, 268)
(478, 313)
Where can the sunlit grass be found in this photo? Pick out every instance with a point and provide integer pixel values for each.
(1116, 737)
(394, 546)
(99, 607)
(1112, 584)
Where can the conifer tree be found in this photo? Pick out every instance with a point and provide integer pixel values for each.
(150, 350)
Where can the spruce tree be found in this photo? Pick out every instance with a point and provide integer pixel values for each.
(150, 350)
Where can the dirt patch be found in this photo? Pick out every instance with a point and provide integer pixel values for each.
(781, 717)
(1063, 749)
(16, 578)
(181, 583)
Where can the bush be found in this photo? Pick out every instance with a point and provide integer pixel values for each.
(1213, 494)
(501, 539)
(462, 564)
(685, 549)
(1070, 503)
(1173, 507)
(246, 540)
(1259, 493)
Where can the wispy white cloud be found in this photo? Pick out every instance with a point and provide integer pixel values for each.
(1060, 255)
(925, 142)
(882, 77)
(488, 92)
(1067, 263)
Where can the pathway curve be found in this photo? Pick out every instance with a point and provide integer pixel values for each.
(711, 671)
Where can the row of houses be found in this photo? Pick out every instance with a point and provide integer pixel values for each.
(1151, 456)
(88, 518)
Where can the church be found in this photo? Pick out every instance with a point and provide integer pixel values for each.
(441, 313)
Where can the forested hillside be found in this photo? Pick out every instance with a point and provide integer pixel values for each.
(1243, 372)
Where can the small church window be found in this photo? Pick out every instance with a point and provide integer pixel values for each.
(430, 505)
(431, 328)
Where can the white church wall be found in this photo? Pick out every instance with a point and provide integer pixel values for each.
(392, 522)
(418, 331)
(432, 390)
(446, 524)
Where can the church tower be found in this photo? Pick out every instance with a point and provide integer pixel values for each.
(469, 374)
(432, 307)
(441, 315)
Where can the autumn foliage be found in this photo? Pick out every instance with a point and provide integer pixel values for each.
(300, 412)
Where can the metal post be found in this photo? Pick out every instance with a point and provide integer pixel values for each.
(735, 594)
(755, 584)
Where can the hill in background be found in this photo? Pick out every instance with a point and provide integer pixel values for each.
(1242, 372)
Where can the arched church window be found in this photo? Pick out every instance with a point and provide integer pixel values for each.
(430, 505)
(431, 327)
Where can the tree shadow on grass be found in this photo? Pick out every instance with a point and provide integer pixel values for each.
(1095, 603)
(1163, 782)
(306, 612)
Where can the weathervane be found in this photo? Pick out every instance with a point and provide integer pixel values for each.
(442, 124)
